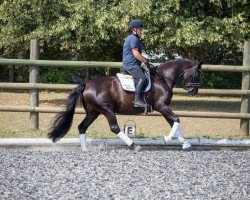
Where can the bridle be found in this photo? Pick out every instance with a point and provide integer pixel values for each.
(191, 85)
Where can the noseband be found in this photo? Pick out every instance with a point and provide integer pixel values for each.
(193, 84)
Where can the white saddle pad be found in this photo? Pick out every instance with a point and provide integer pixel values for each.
(127, 82)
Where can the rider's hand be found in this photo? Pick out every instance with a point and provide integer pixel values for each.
(147, 64)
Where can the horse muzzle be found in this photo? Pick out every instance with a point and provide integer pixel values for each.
(192, 88)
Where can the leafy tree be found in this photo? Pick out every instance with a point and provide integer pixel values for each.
(210, 30)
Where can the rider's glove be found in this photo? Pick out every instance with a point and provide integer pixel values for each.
(147, 64)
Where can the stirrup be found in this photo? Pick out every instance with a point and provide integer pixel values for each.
(140, 104)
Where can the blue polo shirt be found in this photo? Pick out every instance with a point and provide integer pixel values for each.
(129, 61)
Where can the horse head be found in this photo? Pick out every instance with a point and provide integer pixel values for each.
(189, 70)
(192, 78)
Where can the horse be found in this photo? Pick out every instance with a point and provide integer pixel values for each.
(104, 95)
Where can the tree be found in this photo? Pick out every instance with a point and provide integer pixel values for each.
(210, 30)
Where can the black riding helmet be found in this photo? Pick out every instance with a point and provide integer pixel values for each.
(136, 24)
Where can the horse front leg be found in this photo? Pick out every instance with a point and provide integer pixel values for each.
(175, 132)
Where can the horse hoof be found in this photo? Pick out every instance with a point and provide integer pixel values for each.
(83, 148)
(186, 146)
(136, 148)
(167, 139)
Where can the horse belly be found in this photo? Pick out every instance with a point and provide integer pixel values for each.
(125, 105)
(106, 93)
(128, 110)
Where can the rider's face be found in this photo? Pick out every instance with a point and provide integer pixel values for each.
(138, 31)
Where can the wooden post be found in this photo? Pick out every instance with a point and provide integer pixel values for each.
(245, 100)
(87, 74)
(11, 74)
(34, 78)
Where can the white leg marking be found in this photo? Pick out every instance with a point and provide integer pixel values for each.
(125, 138)
(173, 132)
(83, 142)
(183, 141)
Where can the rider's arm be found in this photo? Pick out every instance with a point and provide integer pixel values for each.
(138, 56)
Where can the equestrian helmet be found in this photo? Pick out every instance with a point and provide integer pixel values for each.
(136, 24)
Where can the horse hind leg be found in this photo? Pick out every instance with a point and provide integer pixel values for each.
(116, 129)
(88, 120)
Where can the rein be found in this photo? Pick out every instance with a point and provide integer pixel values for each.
(160, 77)
(192, 84)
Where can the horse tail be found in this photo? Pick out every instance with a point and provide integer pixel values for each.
(62, 122)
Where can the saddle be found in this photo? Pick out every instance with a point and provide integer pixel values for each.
(127, 81)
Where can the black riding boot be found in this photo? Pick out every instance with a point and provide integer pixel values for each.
(138, 102)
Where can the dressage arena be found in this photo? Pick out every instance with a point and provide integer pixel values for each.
(103, 172)
(118, 173)
(115, 172)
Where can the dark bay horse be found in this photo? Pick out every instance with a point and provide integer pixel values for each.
(104, 95)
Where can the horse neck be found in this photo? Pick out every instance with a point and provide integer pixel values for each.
(170, 83)
(170, 72)
(172, 76)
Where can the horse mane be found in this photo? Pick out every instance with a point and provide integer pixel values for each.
(178, 60)
(153, 69)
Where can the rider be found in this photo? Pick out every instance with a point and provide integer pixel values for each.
(132, 60)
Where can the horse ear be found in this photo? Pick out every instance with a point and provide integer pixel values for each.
(199, 64)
